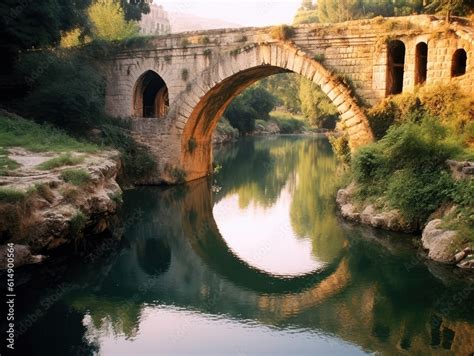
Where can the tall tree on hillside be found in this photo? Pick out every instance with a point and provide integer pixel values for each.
(307, 13)
(34, 24)
(135, 8)
(448, 7)
(108, 21)
(332, 11)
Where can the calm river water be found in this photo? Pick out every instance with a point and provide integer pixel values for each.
(252, 261)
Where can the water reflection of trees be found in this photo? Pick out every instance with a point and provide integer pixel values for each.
(258, 170)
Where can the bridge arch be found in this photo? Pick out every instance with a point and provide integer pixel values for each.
(150, 96)
(211, 93)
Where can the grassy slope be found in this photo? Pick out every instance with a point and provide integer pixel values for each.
(18, 132)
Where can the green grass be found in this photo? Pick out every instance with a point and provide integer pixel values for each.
(288, 123)
(6, 164)
(466, 155)
(11, 196)
(76, 176)
(284, 115)
(18, 132)
(66, 159)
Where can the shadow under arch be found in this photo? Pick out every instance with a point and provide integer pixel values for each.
(232, 74)
(207, 242)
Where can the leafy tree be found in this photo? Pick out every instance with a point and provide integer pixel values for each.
(315, 104)
(449, 7)
(36, 24)
(108, 21)
(254, 103)
(285, 88)
(307, 13)
(67, 92)
(338, 10)
(134, 9)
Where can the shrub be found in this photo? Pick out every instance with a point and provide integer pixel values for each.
(184, 74)
(418, 194)
(320, 57)
(290, 125)
(418, 145)
(66, 159)
(11, 196)
(382, 116)
(76, 176)
(179, 175)
(340, 146)
(367, 163)
(137, 161)
(116, 197)
(454, 107)
(407, 168)
(282, 32)
(225, 128)
(204, 40)
(6, 164)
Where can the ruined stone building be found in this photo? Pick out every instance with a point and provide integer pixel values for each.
(156, 22)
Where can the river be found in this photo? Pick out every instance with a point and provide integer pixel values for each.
(253, 260)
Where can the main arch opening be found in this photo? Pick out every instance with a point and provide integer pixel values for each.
(459, 62)
(421, 63)
(395, 67)
(196, 136)
(150, 96)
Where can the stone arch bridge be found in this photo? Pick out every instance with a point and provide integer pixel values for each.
(176, 87)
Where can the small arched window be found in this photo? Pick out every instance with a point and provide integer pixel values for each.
(458, 65)
(421, 62)
(395, 67)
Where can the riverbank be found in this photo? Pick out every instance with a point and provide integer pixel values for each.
(279, 123)
(53, 189)
(441, 242)
(419, 176)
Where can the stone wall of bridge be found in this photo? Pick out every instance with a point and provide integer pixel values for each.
(204, 71)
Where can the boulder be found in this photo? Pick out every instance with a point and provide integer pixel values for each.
(349, 211)
(21, 256)
(344, 195)
(438, 242)
(467, 263)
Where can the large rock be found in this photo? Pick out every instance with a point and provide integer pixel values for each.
(17, 255)
(344, 196)
(439, 243)
(370, 215)
(57, 212)
(349, 211)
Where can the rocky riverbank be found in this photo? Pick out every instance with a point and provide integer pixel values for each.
(41, 210)
(441, 243)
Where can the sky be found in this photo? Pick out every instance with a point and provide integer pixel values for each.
(243, 12)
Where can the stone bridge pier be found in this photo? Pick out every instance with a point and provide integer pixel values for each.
(175, 88)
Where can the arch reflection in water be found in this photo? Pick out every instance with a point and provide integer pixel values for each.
(368, 296)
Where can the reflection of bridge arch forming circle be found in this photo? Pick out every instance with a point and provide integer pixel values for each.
(150, 96)
(204, 236)
(228, 77)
